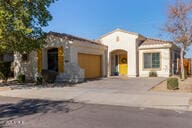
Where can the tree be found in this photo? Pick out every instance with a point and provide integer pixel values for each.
(179, 26)
(21, 23)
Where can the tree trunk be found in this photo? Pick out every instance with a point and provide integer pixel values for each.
(182, 64)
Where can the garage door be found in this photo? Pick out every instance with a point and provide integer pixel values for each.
(91, 64)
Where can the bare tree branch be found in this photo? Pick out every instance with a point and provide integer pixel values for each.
(179, 26)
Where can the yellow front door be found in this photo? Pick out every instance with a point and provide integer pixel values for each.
(123, 66)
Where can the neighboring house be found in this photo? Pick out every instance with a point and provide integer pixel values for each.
(116, 53)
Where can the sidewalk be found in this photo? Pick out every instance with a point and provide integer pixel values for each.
(173, 101)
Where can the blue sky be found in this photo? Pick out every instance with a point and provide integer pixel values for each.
(93, 18)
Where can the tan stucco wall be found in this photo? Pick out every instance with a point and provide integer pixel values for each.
(29, 68)
(87, 48)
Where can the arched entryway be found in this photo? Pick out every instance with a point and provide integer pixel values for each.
(119, 63)
(52, 55)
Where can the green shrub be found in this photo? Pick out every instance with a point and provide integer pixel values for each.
(21, 78)
(4, 70)
(49, 76)
(172, 83)
(152, 74)
(185, 74)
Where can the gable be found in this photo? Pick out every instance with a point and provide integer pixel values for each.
(118, 37)
(120, 40)
(120, 33)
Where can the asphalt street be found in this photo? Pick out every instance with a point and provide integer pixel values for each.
(27, 113)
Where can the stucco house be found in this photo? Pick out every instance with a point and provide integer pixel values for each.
(116, 53)
(133, 55)
(74, 58)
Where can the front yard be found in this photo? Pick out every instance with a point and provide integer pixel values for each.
(184, 86)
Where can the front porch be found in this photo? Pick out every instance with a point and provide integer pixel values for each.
(119, 63)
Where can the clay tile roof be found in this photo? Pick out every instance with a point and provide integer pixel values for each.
(150, 41)
(71, 37)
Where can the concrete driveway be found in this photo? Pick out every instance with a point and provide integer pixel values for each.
(121, 84)
(110, 91)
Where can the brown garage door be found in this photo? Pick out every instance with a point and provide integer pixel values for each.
(91, 64)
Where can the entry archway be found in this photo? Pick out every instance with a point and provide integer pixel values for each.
(119, 63)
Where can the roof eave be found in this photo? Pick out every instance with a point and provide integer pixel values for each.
(164, 46)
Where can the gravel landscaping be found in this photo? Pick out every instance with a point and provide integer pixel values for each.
(184, 86)
(14, 84)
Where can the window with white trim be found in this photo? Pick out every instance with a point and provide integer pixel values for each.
(151, 60)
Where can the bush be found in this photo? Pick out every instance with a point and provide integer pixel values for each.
(152, 74)
(185, 74)
(172, 83)
(21, 78)
(49, 76)
(4, 70)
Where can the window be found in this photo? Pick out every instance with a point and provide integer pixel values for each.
(117, 39)
(25, 57)
(116, 63)
(151, 60)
